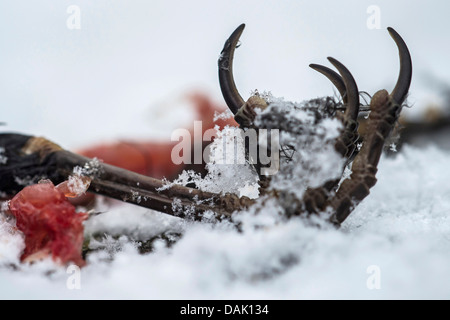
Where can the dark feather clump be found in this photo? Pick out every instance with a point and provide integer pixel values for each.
(19, 169)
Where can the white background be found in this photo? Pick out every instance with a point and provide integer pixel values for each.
(108, 79)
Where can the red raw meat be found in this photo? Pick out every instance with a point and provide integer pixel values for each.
(50, 224)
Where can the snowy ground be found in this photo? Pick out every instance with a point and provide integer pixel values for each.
(400, 234)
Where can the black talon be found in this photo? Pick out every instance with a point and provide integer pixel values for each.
(334, 77)
(352, 110)
(228, 87)
(404, 78)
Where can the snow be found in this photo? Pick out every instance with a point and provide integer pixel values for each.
(3, 158)
(308, 128)
(139, 224)
(402, 230)
(62, 81)
(77, 185)
(228, 171)
(11, 242)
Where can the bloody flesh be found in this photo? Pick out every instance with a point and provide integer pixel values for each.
(50, 224)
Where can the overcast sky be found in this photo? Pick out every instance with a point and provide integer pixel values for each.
(107, 78)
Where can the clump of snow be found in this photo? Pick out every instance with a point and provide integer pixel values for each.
(310, 131)
(228, 170)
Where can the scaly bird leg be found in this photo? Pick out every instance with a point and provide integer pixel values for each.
(30, 156)
(385, 109)
(315, 199)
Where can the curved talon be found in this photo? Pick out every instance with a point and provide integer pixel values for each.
(404, 78)
(352, 110)
(334, 77)
(226, 80)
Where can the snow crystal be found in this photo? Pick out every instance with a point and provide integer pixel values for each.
(77, 185)
(136, 197)
(184, 178)
(227, 114)
(393, 147)
(177, 206)
(265, 95)
(90, 168)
